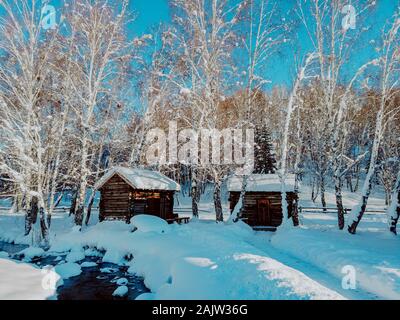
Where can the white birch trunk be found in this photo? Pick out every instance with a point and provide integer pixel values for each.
(394, 209)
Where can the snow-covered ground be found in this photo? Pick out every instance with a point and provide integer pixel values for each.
(205, 260)
(372, 252)
(22, 281)
(201, 260)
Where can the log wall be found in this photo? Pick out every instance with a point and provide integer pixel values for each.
(120, 201)
(250, 212)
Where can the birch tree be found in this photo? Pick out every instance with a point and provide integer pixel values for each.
(290, 109)
(394, 209)
(99, 52)
(265, 34)
(206, 36)
(331, 36)
(26, 148)
(388, 81)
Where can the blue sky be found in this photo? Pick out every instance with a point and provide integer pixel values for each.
(150, 12)
(281, 68)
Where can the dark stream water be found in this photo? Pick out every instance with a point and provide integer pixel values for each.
(91, 284)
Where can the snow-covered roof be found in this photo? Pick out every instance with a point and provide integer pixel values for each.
(262, 183)
(140, 179)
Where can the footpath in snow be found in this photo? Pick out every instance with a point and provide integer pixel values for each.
(371, 256)
(372, 253)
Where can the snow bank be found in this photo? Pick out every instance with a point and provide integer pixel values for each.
(68, 270)
(108, 270)
(371, 255)
(88, 265)
(122, 282)
(146, 223)
(148, 296)
(21, 281)
(31, 253)
(121, 291)
(75, 256)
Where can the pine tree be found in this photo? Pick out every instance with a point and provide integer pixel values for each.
(265, 162)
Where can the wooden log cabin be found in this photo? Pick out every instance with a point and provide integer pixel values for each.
(126, 192)
(262, 204)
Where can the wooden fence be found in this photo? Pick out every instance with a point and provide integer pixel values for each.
(56, 210)
(179, 210)
(188, 210)
(334, 210)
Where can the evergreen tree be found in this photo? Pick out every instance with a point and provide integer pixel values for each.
(265, 162)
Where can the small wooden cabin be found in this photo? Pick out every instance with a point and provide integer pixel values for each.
(262, 204)
(126, 192)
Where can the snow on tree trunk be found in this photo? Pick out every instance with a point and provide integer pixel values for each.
(44, 229)
(358, 211)
(80, 207)
(79, 213)
(54, 179)
(322, 191)
(36, 223)
(237, 211)
(295, 207)
(284, 151)
(217, 201)
(194, 193)
(94, 27)
(339, 203)
(394, 209)
(81, 199)
(17, 203)
(260, 43)
(89, 209)
(31, 215)
(389, 80)
(26, 101)
(74, 198)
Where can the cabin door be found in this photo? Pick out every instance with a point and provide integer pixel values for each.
(264, 212)
(153, 206)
